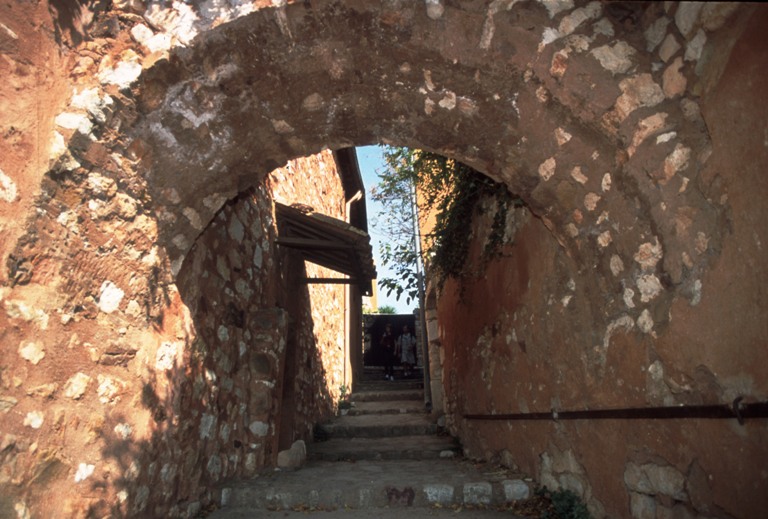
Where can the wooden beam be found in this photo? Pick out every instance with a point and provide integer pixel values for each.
(331, 281)
(309, 243)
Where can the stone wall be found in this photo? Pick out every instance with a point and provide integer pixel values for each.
(520, 335)
(632, 131)
(128, 390)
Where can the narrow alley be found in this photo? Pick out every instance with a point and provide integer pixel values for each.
(185, 253)
(384, 458)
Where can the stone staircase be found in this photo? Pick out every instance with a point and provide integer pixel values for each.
(388, 421)
(386, 451)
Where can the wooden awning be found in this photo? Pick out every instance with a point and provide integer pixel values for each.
(328, 242)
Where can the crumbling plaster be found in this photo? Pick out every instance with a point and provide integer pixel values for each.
(591, 113)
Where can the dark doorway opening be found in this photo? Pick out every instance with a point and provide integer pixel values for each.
(373, 355)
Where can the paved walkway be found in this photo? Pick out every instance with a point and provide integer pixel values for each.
(386, 459)
(370, 513)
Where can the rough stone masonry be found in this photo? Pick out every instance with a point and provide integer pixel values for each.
(137, 140)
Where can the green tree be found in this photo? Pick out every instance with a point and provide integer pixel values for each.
(448, 189)
(396, 192)
(386, 309)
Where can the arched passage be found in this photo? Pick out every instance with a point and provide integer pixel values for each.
(545, 118)
(590, 113)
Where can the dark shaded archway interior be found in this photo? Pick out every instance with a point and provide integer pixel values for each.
(634, 133)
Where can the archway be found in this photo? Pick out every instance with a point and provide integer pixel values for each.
(589, 113)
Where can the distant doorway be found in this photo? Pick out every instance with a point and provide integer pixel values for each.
(373, 355)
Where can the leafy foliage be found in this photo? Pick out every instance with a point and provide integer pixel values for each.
(451, 192)
(344, 402)
(565, 504)
(386, 309)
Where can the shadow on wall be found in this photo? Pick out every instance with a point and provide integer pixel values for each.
(72, 18)
(214, 405)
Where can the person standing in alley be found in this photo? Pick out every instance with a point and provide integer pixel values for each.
(406, 348)
(387, 344)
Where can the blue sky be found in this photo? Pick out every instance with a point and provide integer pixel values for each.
(371, 160)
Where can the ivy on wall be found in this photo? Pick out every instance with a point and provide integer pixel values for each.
(450, 191)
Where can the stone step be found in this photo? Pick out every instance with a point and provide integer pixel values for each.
(386, 407)
(384, 395)
(379, 426)
(324, 485)
(391, 448)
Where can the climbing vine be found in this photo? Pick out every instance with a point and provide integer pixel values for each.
(451, 192)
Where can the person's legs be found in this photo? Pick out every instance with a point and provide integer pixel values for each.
(389, 366)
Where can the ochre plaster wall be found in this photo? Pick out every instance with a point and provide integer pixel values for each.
(517, 337)
(634, 133)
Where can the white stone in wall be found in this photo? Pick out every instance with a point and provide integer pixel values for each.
(548, 36)
(642, 506)
(8, 191)
(652, 479)
(645, 321)
(207, 426)
(603, 26)
(668, 48)
(21, 509)
(696, 293)
(665, 137)
(124, 73)
(562, 136)
(604, 239)
(687, 17)
(591, 200)
(637, 91)
(547, 168)
(160, 42)
(555, 7)
(605, 184)
(656, 32)
(573, 21)
(84, 471)
(90, 101)
(259, 428)
(676, 161)
(32, 351)
(17, 309)
(578, 175)
(194, 218)
(696, 46)
(235, 229)
(649, 254)
(74, 121)
(110, 296)
(180, 21)
(34, 419)
(214, 466)
(617, 59)
(435, 9)
(165, 359)
(123, 431)
(76, 386)
(649, 286)
(221, 268)
(617, 266)
(108, 389)
(629, 296)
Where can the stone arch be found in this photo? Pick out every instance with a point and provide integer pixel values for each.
(590, 113)
(567, 109)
